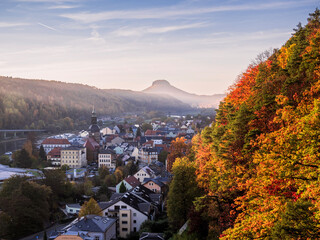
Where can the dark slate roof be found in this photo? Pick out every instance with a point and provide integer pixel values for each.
(72, 148)
(136, 202)
(107, 151)
(55, 141)
(73, 205)
(159, 183)
(149, 150)
(144, 193)
(140, 198)
(116, 196)
(104, 205)
(92, 223)
(151, 236)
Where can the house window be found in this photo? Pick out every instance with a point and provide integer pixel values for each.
(134, 229)
(124, 222)
(134, 214)
(96, 238)
(124, 207)
(124, 215)
(124, 229)
(134, 221)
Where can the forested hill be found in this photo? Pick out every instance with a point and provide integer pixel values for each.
(259, 162)
(39, 103)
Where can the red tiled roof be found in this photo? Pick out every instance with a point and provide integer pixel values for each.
(55, 152)
(132, 181)
(55, 141)
(164, 146)
(92, 144)
(147, 143)
(151, 133)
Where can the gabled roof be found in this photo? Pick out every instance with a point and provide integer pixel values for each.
(147, 170)
(151, 133)
(55, 152)
(154, 180)
(55, 141)
(73, 205)
(132, 181)
(139, 198)
(150, 142)
(92, 223)
(136, 202)
(91, 143)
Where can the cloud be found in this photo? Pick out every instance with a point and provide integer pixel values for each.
(126, 31)
(46, 26)
(160, 13)
(63, 6)
(10, 24)
(96, 37)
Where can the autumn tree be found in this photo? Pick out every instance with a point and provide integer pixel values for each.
(178, 149)
(22, 159)
(24, 206)
(90, 207)
(182, 192)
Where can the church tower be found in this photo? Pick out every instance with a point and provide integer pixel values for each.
(94, 130)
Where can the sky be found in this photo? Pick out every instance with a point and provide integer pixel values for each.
(200, 46)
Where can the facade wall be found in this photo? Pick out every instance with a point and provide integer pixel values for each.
(111, 232)
(97, 235)
(74, 158)
(106, 160)
(153, 187)
(127, 185)
(72, 210)
(141, 175)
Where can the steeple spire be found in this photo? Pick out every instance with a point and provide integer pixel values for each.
(93, 116)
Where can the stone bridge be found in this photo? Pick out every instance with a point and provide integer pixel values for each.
(15, 133)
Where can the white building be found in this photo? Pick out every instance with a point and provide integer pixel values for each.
(51, 143)
(148, 155)
(144, 173)
(106, 158)
(131, 210)
(73, 208)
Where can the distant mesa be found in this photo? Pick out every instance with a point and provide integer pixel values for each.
(163, 87)
(161, 83)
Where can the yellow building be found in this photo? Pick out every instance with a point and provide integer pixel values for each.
(74, 157)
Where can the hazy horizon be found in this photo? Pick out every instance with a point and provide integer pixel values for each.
(199, 46)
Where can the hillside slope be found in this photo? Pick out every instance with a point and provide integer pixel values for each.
(259, 162)
(163, 87)
(25, 102)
